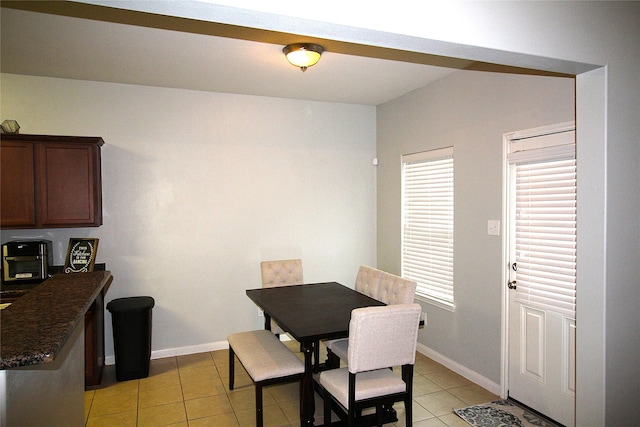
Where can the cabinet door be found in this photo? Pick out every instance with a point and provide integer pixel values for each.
(17, 195)
(68, 185)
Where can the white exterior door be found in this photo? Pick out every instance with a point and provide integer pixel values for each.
(542, 361)
(542, 258)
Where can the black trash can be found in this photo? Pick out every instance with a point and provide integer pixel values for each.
(131, 320)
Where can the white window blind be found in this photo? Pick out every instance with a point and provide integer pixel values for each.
(427, 229)
(545, 225)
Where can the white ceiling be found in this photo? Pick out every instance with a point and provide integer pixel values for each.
(52, 45)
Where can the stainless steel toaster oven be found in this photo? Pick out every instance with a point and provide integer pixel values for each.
(26, 261)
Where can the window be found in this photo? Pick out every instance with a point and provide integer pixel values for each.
(544, 214)
(427, 224)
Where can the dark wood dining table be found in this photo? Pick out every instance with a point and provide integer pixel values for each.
(310, 313)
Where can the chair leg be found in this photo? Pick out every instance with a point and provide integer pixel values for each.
(352, 411)
(407, 377)
(231, 367)
(351, 418)
(258, 405)
(300, 394)
(408, 411)
(327, 407)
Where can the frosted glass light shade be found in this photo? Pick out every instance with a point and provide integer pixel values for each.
(303, 55)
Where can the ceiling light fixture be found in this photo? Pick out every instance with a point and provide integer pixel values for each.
(303, 55)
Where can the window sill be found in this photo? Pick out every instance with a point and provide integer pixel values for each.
(446, 306)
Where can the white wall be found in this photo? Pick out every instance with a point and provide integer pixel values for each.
(198, 188)
(469, 111)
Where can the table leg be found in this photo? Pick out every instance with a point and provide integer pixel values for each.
(267, 322)
(307, 402)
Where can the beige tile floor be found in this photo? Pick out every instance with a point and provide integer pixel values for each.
(193, 391)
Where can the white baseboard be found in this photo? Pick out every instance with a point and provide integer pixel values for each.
(472, 376)
(179, 351)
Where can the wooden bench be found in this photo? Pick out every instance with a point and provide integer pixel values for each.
(267, 361)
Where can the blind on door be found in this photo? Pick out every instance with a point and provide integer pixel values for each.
(427, 229)
(545, 228)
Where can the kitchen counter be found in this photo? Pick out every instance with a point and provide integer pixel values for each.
(36, 327)
(11, 293)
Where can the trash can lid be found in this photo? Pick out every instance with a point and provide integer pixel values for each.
(120, 305)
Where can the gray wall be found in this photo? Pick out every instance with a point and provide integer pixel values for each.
(469, 111)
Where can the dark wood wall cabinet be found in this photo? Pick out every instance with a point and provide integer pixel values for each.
(50, 181)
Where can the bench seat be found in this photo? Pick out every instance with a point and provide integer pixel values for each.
(267, 361)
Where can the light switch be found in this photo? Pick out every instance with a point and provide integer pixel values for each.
(493, 227)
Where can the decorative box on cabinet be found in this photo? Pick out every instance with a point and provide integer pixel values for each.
(50, 181)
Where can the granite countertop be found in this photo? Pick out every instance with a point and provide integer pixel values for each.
(35, 328)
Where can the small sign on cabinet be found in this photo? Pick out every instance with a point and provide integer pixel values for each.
(81, 255)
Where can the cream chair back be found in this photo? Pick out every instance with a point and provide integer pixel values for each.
(368, 281)
(281, 272)
(396, 290)
(385, 287)
(380, 337)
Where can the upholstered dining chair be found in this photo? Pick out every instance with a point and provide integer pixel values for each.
(280, 273)
(378, 284)
(379, 338)
(368, 281)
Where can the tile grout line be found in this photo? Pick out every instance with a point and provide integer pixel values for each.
(184, 400)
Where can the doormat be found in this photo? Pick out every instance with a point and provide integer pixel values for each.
(501, 413)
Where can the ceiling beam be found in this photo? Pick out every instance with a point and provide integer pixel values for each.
(206, 27)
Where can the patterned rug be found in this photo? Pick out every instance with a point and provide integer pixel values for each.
(500, 413)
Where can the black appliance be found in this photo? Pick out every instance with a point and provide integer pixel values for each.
(26, 261)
